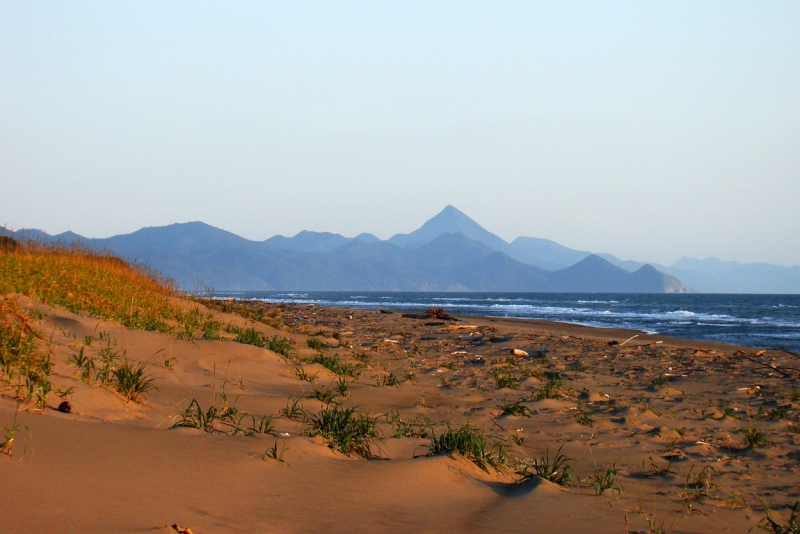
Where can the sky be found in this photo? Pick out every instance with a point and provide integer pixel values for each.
(648, 130)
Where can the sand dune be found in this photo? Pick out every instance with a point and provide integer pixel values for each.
(677, 406)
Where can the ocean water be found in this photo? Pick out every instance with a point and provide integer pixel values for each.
(764, 321)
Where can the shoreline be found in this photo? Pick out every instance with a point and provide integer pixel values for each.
(654, 413)
(611, 334)
(757, 321)
(556, 327)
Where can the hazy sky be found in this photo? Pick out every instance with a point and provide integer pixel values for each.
(647, 130)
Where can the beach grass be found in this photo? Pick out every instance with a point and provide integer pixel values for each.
(24, 366)
(467, 441)
(101, 285)
(557, 471)
(223, 419)
(513, 408)
(336, 366)
(345, 429)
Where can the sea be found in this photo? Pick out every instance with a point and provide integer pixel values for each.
(761, 321)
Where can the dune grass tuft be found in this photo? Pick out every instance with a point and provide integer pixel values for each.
(316, 344)
(223, 419)
(293, 410)
(346, 429)
(24, 369)
(513, 408)
(754, 438)
(503, 379)
(131, 381)
(605, 479)
(419, 427)
(770, 524)
(336, 366)
(469, 442)
(551, 389)
(9, 433)
(558, 471)
(249, 336)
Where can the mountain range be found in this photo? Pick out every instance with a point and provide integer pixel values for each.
(449, 252)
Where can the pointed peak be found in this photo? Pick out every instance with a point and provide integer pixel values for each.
(449, 220)
(450, 212)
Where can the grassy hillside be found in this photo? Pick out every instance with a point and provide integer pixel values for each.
(100, 285)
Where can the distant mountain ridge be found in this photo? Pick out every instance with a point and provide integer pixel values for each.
(197, 255)
(449, 252)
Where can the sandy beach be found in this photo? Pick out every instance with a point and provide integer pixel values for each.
(671, 416)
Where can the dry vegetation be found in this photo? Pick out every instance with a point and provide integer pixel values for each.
(101, 285)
